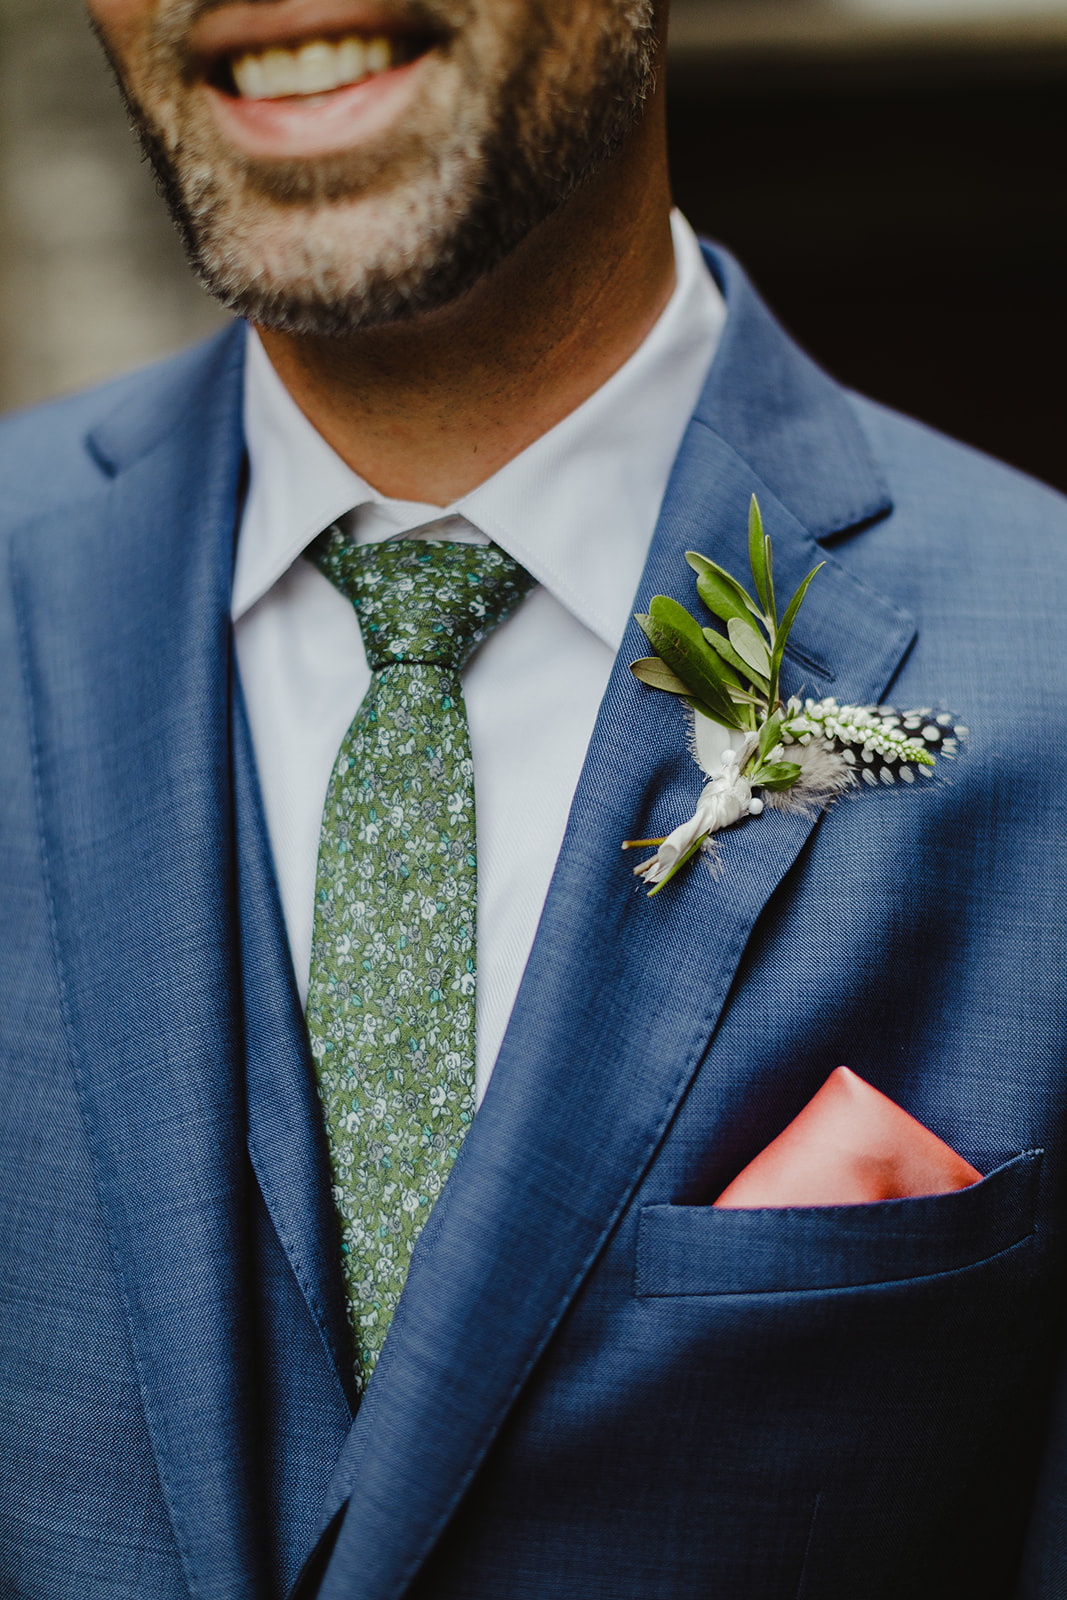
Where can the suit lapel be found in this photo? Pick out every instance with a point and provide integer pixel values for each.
(622, 994)
(124, 608)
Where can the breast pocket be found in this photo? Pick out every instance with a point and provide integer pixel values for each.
(704, 1250)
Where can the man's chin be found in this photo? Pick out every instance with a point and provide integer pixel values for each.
(341, 235)
(336, 268)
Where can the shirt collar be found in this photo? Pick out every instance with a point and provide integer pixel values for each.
(577, 508)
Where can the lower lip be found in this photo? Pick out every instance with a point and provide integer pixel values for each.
(339, 120)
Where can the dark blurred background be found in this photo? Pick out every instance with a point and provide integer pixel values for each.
(889, 171)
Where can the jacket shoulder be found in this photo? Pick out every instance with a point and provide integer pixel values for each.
(953, 487)
(50, 455)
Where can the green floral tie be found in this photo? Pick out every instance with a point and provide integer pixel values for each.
(391, 1000)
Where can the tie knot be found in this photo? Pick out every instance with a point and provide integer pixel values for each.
(422, 601)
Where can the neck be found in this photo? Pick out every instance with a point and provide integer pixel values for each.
(428, 410)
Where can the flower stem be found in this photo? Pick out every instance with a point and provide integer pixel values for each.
(680, 863)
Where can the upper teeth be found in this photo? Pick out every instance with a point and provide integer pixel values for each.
(314, 68)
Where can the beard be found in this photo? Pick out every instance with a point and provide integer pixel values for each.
(526, 108)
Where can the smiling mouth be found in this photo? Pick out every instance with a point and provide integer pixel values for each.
(315, 67)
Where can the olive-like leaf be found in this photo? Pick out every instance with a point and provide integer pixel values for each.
(725, 665)
(719, 599)
(757, 552)
(744, 715)
(726, 650)
(787, 623)
(724, 676)
(721, 594)
(780, 775)
(658, 675)
(770, 736)
(749, 646)
(676, 638)
(772, 604)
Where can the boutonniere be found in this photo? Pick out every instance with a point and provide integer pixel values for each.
(754, 750)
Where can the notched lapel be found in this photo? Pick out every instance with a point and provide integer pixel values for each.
(124, 612)
(620, 1000)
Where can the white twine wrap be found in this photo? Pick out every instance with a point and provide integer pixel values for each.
(723, 801)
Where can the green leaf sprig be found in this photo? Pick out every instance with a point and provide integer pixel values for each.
(733, 678)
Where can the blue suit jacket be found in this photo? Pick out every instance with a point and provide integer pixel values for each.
(596, 1385)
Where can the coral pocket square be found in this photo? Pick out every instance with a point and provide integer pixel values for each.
(850, 1144)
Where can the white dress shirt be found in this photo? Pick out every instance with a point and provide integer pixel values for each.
(577, 509)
